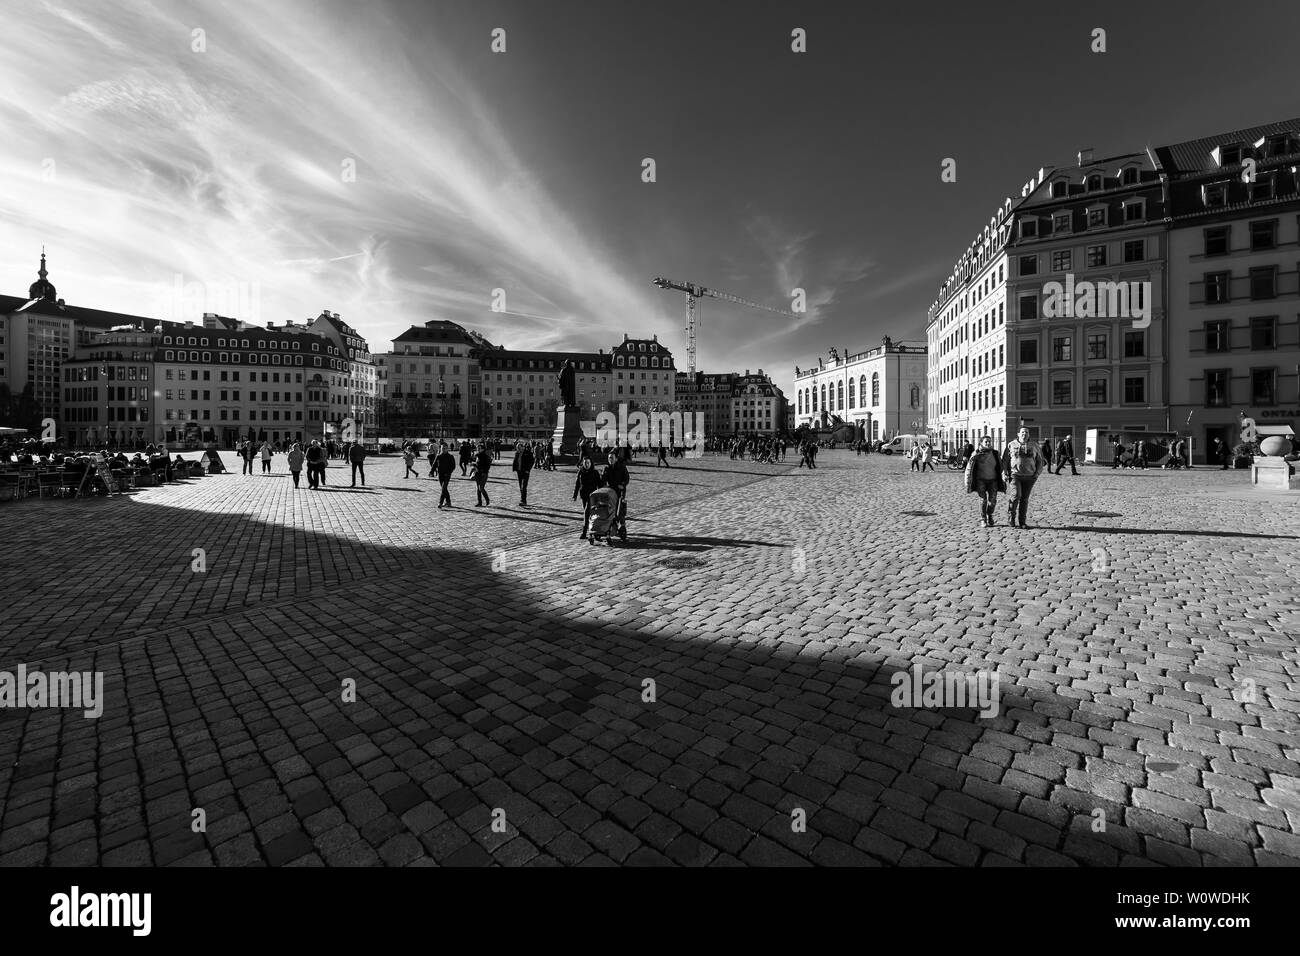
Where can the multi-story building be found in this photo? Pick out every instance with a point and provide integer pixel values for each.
(1234, 281)
(179, 383)
(520, 392)
(434, 380)
(38, 334)
(642, 371)
(966, 335)
(354, 388)
(733, 403)
(1082, 344)
(882, 391)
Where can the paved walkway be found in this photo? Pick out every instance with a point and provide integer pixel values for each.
(1144, 636)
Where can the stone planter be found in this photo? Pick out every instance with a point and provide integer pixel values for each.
(1275, 446)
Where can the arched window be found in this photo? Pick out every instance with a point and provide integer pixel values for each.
(852, 402)
(916, 396)
(839, 401)
(875, 389)
(824, 405)
(862, 389)
(814, 398)
(1094, 182)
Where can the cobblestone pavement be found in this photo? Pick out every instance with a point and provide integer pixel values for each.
(1143, 633)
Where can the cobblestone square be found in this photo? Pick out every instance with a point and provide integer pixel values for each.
(716, 690)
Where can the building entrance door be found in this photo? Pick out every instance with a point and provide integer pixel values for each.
(1222, 432)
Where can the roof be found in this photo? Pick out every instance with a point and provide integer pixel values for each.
(1193, 156)
(10, 304)
(441, 330)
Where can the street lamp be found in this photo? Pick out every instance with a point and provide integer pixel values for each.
(442, 407)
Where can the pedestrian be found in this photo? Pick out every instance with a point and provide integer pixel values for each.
(267, 451)
(1117, 452)
(663, 458)
(1221, 454)
(927, 457)
(247, 452)
(616, 476)
(588, 480)
(357, 457)
(1064, 453)
(315, 465)
(408, 456)
(445, 463)
(967, 450)
(1022, 463)
(1140, 454)
(295, 463)
(465, 458)
(915, 455)
(523, 466)
(480, 467)
(984, 476)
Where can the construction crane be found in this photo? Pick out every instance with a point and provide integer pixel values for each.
(694, 292)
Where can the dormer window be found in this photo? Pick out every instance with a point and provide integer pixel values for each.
(1029, 229)
(1097, 217)
(1262, 187)
(1129, 175)
(1230, 155)
(1215, 194)
(1280, 145)
(1060, 188)
(1135, 210)
(1061, 223)
(1093, 182)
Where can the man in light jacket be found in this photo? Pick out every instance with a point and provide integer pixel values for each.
(1022, 463)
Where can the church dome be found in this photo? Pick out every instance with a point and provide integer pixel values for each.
(42, 288)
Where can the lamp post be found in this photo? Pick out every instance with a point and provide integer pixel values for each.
(442, 405)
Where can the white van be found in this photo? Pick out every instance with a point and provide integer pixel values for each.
(902, 444)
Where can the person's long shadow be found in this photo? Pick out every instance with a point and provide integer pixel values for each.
(1180, 532)
(664, 542)
(474, 708)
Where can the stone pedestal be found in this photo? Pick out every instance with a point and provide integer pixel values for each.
(568, 431)
(1269, 471)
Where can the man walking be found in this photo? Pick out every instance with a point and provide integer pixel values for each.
(984, 476)
(246, 452)
(1117, 452)
(1064, 453)
(465, 459)
(927, 456)
(523, 466)
(445, 464)
(915, 455)
(315, 465)
(482, 465)
(1221, 453)
(357, 456)
(266, 457)
(295, 463)
(1022, 462)
(408, 456)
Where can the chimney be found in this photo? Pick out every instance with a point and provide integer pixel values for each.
(624, 336)
(1085, 155)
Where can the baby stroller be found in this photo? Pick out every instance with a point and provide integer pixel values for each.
(606, 516)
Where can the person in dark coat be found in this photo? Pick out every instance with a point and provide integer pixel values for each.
(357, 457)
(1064, 453)
(482, 465)
(315, 465)
(445, 464)
(466, 457)
(588, 480)
(616, 476)
(984, 475)
(523, 466)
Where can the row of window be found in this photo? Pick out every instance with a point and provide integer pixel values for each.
(285, 344)
(1263, 334)
(1094, 217)
(1222, 287)
(1262, 233)
(1135, 392)
(1114, 304)
(1098, 347)
(806, 398)
(232, 358)
(1134, 250)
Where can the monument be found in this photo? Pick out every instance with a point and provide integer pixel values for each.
(568, 423)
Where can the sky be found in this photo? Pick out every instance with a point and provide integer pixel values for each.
(381, 161)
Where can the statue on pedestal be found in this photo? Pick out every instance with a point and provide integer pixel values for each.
(566, 381)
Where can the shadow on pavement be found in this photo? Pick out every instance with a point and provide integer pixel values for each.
(475, 694)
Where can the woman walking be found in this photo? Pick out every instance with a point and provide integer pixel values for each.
(296, 458)
(984, 476)
(267, 452)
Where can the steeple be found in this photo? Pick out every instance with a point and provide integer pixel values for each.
(42, 288)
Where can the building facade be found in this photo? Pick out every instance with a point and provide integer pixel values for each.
(733, 403)
(1234, 281)
(1083, 343)
(183, 384)
(355, 386)
(642, 372)
(433, 381)
(881, 391)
